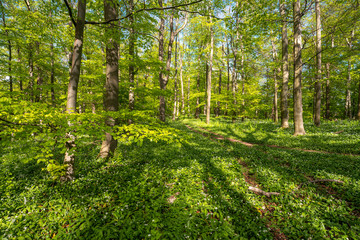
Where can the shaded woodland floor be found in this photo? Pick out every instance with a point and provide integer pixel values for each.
(196, 189)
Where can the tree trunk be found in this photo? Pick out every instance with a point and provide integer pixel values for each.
(188, 97)
(348, 111)
(161, 59)
(182, 84)
(318, 66)
(111, 96)
(197, 110)
(175, 84)
(298, 108)
(19, 62)
(275, 115)
(73, 85)
(52, 76)
(31, 74)
(285, 71)
(218, 102)
(209, 73)
(39, 82)
(327, 91)
(10, 54)
(132, 59)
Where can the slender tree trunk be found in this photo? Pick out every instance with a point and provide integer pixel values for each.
(327, 91)
(188, 97)
(19, 62)
(318, 65)
(73, 86)
(210, 73)
(10, 70)
(111, 96)
(285, 70)
(175, 83)
(10, 54)
(218, 102)
(31, 74)
(161, 59)
(348, 93)
(39, 81)
(298, 108)
(52, 76)
(275, 115)
(182, 84)
(132, 59)
(197, 110)
(348, 111)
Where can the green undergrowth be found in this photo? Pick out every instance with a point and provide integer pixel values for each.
(192, 190)
(340, 136)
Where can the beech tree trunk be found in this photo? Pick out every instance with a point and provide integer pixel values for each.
(111, 96)
(275, 115)
(52, 76)
(218, 102)
(197, 110)
(161, 59)
(132, 59)
(188, 97)
(73, 86)
(348, 112)
(182, 84)
(327, 115)
(298, 108)
(318, 66)
(208, 102)
(39, 81)
(285, 70)
(175, 83)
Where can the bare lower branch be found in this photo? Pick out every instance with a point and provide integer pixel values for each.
(70, 12)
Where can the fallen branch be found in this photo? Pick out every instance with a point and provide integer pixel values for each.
(269, 194)
(319, 180)
(259, 191)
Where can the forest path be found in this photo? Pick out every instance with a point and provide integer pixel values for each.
(221, 137)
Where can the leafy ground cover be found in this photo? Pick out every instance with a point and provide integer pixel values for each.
(198, 189)
(341, 136)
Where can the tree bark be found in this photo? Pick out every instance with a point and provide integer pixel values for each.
(111, 96)
(175, 83)
(285, 70)
(318, 66)
(132, 59)
(39, 81)
(298, 108)
(182, 84)
(69, 159)
(208, 102)
(348, 112)
(275, 115)
(188, 97)
(218, 102)
(197, 110)
(161, 59)
(52, 76)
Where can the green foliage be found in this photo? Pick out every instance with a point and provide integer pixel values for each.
(128, 196)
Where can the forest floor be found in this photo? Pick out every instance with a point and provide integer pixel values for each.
(199, 189)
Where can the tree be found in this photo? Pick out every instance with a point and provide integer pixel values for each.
(285, 70)
(73, 86)
(208, 91)
(111, 96)
(318, 65)
(298, 108)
